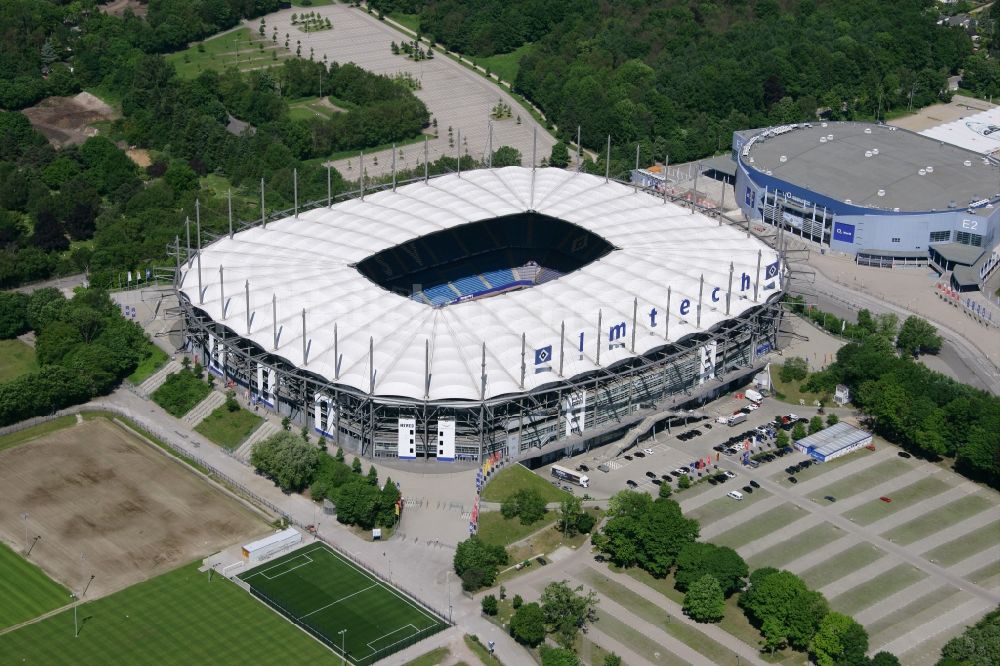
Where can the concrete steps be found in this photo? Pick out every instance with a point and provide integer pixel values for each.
(266, 429)
(156, 380)
(204, 408)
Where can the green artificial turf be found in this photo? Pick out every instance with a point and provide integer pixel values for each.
(326, 594)
(177, 618)
(25, 591)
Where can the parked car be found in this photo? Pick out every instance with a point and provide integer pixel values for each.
(729, 474)
(712, 481)
(885, 499)
(719, 447)
(792, 479)
(830, 498)
(657, 482)
(629, 458)
(680, 471)
(904, 454)
(639, 454)
(735, 494)
(583, 468)
(747, 489)
(753, 464)
(631, 484)
(651, 475)
(648, 452)
(755, 484)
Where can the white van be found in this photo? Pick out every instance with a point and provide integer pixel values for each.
(735, 494)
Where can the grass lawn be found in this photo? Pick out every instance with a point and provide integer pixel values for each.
(25, 591)
(652, 613)
(791, 392)
(239, 48)
(177, 618)
(149, 365)
(518, 477)
(903, 498)
(547, 540)
(229, 429)
(409, 21)
(504, 65)
(916, 613)
(725, 506)
(500, 531)
(884, 585)
(480, 651)
(637, 641)
(589, 651)
(955, 551)
(860, 481)
(22, 436)
(840, 565)
(751, 530)
(949, 514)
(327, 593)
(792, 549)
(16, 358)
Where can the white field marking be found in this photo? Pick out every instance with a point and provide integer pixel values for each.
(409, 603)
(373, 649)
(264, 573)
(304, 553)
(352, 594)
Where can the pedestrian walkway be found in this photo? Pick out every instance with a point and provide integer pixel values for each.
(266, 429)
(204, 408)
(156, 380)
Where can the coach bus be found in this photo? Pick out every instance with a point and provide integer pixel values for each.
(564, 474)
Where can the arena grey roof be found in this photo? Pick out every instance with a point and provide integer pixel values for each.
(876, 166)
(959, 253)
(307, 263)
(827, 442)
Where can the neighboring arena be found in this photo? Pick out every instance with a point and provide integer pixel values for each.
(496, 310)
(884, 194)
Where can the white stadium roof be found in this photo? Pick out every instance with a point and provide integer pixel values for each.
(979, 133)
(308, 263)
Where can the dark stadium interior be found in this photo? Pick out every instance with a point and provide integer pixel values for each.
(483, 246)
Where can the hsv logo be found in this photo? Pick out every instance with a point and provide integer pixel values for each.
(771, 271)
(543, 355)
(748, 198)
(843, 232)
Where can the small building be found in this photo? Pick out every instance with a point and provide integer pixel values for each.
(842, 395)
(833, 442)
(261, 549)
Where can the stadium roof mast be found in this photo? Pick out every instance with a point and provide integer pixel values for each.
(336, 352)
(666, 317)
(607, 162)
(274, 319)
(361, 159)
(534, 143)
(329, 188)
(425, 160)
(458, 152)
(246, 288)
(229, 198)
(305, 346)
(187, 232)
(295, 191)
(635, 185)
(263, 216)
(524, 367)
(197, 217)
(393, 167)
(578, 149)
(489, 144)
(222, 293)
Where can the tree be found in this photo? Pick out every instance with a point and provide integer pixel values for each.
(794, 368)
(839, 639)
(585, 523)
(526, 503)
(477, 562)
(567, 611)
(612, 659)
(339, 457)
(356, 465)
(783, 607)
(570, 511)
(832, 419)
(798, 432)
(13, 314)
(884, 659)
(704, 601)
(559, 156)
(781, 439)
(527, 625)
(918, 336)
(978, 645)
(723, 563)
(505, 156)
(358, 503)
(287, 460)
(490, 605)
(866, 322)
(516, 602)
(815, 424)
(684, 482)
(645, 533)
(373, 476)
(558, 657)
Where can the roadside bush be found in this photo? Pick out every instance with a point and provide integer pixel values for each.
(527, 626)
(490, 605)
(286, 460)
(477, 562)
(794, 368)
(181, 392)
(526, 503)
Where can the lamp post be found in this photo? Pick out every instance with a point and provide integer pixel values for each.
(343, 653)
(24, 517)
(448, 585)
(76, 630)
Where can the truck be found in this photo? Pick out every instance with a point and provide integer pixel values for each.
(753, 396)
(564, 474)
(736, 419)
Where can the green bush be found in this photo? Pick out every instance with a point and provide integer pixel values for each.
(490, 605)
(181, 392)
(793, 369)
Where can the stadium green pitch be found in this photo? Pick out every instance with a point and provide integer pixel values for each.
(341, 604)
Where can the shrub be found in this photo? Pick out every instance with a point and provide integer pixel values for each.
(517, 601)
(490, 605)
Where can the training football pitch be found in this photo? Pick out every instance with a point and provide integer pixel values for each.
(341, 604)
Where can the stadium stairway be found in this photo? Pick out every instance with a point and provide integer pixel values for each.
(156, 380)
(204, 408)
(266, 429)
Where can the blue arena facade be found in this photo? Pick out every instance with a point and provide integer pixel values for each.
(885, 195)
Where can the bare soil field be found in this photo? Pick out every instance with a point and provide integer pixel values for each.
(937, 114)
(118, 7)
(66, 121)
(108, 505)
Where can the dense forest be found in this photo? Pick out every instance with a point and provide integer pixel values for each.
(89, 207)
(681, 75)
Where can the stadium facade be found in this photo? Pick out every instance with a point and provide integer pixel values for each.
(513, 310)
(882, 194)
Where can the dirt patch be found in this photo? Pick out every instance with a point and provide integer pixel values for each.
(140, 156)
(67, 121)
(108, 505)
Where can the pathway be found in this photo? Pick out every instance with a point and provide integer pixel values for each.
(266, 429)
(156, 380)
(200, 411)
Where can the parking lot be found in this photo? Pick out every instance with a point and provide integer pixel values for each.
(909, 548)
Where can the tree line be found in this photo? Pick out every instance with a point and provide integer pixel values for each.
(84, 347)
(679, 76)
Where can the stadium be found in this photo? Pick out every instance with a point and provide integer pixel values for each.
(885, 195)
(515, 310)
